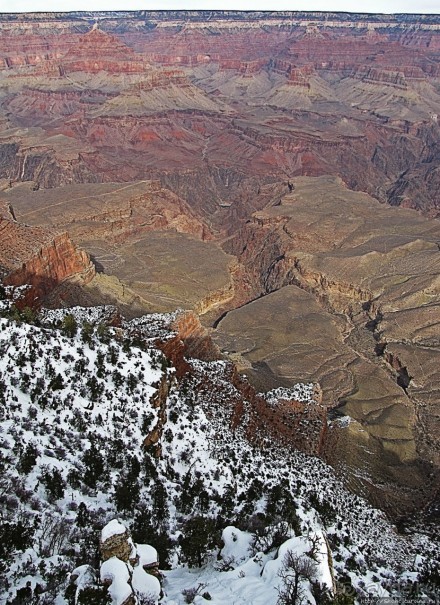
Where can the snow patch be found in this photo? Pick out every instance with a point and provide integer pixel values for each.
(113, 528)
(145, 583)
(237, 545)
(115, 572)
(147, 554)
(302, 392)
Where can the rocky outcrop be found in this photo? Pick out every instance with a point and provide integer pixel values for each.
(180, 336)
(116, 542)
(123, 571)
(129, 572)
(196, 339)
(297, 76)
(395, 79)
(159, 401)
(244, 68)
(40, 259)
(48, 163)
(99, 51)
(286, 417)
(36, 103)
(264, 420)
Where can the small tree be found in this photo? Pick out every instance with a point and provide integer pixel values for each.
(94, 595)
(324, 508)
(160, 504)
(95, 389)
(127, 491)
(54, 483)
(189, 594)
(28, 458)
(145, 531)
(29, 316)
(321, 593)
(82, 515)
(281, 504)
(69, 325)
(57, 383)
(266, 537)
(87, 332)
(145, 599)
(13, 536)
(293, 570)
(94, 466)
(199, 535)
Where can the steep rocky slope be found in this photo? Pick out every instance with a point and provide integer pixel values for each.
(38, 258)
(72, 463)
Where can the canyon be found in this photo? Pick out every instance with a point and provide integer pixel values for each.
(276, 173)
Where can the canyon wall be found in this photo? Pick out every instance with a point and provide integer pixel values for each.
(39, 258)
(267, 95)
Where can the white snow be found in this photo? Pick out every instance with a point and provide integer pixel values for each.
(343, 422)
(197, 446)
(84, 576)
(147, 554)
(302, 392)
(113, 528)
(91, 314)
(145, 583)
(236, 545)
(116, 571)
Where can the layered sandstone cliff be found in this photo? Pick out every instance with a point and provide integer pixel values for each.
(40, 258)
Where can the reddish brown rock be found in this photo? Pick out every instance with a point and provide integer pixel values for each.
(289, 423)
(99, 51)
(186, 339)
(348, 66)
(116, 542)
(39, 258)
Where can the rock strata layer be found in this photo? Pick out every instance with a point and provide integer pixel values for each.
(221, 97)
(40, 258)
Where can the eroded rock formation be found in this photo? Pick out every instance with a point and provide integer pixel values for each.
(40, 258)
(223, 104)
(124, 566)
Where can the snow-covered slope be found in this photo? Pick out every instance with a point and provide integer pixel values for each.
(95, 427)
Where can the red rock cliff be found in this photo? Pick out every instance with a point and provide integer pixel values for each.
(40, 258)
